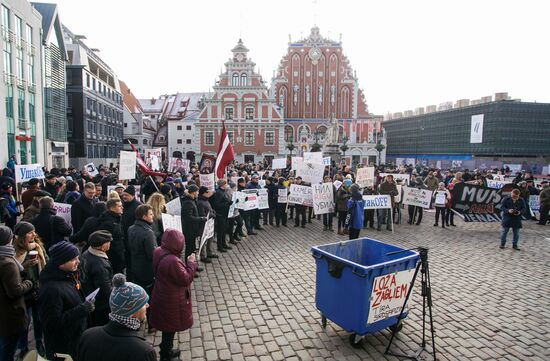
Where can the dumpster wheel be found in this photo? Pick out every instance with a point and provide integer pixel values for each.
(396, 328)
(323, 321)
(355, 340)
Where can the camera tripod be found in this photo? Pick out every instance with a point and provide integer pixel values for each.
(424, 269)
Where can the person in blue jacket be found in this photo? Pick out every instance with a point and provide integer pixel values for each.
(356, 204)
(10, 205)
(512, 208)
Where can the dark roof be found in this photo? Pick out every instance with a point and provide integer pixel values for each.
(51, 23)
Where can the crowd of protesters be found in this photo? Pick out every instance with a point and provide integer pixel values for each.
(139, 275)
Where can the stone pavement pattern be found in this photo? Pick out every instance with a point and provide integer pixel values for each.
(257, 302)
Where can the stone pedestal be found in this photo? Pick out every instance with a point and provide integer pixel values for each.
(333, 151)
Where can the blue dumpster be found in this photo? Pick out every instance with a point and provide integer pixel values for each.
(361, 288)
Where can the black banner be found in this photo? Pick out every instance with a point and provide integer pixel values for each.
(477, 203)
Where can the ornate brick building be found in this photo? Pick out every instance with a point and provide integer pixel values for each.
(314, 83)
(252, 117)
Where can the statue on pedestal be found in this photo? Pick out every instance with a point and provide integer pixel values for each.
(333, 132)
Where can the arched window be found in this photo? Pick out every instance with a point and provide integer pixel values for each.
(340, 134)
(321, 132)
(282, 97)
(289, 133)
(304, 133)
(244, 78)
(345, 102)
(235, 79)
(144, 141)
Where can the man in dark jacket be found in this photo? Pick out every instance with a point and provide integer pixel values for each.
(130, 204)
(48, 225)
(190, 219)
(221, 202)
(388, 187)
(110, 221)
(51, 185)
(82, 209)
(205, 210)
(512, 208)
(61, 304)
(96, 273)
(80, 238)
(272, 197)
(13, 313)
(120, 339)
(27, 196)
(142, 243)
(544, 201)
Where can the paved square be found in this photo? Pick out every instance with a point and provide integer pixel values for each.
(257, 302)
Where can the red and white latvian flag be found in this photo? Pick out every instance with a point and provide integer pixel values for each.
(143, 167)
(225, 154)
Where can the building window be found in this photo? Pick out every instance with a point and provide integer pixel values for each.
(230, 135)
(249, 138)
(6, 44)
(269, 138)
(21, 108)
(179, 127)
(188, 127)
(88, 80)
(289, 134)
(93, 84)
(229, 112)
(249, 113)
(244, 80)
(188, 141)
(180, 141)
(235, 79)
(209, 138)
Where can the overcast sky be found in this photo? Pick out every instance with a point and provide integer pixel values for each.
(407, 54)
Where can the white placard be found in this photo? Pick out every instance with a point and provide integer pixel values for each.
(91, 169)
(496, 184)
(63, 211)
(207, 233)
(174, 207)
(232, 213)
(365, 177)
(261, 182)
(440, 198)
(136, 187)
(300, 195)
(92, 295)
(296, 161)
(170, 221)
(241, 199)
(337, 184)
(327, 161)
(283, 195)
(279, 163)
(405, 178)
(25, 172)
(251, 199)
(153, 158)
(476, 130)
(179, 165)
(382, 201)
(313, 157)
(263, 199)
(513, 167)
(207, 180)
(398, 197)
(127, 165)
(323, 198)
(388, 295)
(311, 173)
(417, 197)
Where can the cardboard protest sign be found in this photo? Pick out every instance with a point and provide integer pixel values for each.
(365, 177)
(91, 169)
(296, 161)
(207, 180)
(417, 197)
(440, 198)
(232, 208)
(382, 201)
(171, 221)
(251, 199)
(127, 165)
(283, 195)
(136, 187)
(311, 173)
(313, 157)
(477, 203)
(323, 198)
(398, 198)
(179, 165)
(534, 205)
(207, 233)
(63, 211)
(25, 172)
(173, 207)
(153, 158)
(404, 178)
(496, 184)
(263, 200)
(337, 184)
(300, 195)
(327, 161)
(279, 163)
(388, 295)
(241, 200)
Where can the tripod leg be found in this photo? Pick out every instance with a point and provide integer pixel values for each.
(429, 289)
(424, 290)
(404, 305)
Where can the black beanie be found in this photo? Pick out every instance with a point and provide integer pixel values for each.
(6, 235)
(22, 228)
(98, 238)
(130, 190)
(62, 252)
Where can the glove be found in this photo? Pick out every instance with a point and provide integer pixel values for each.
(89, 306)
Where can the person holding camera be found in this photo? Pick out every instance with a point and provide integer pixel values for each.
(512, 208)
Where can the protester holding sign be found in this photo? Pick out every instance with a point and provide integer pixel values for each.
(205, 210)
(281, 207)
(441, 197)
(355, 212)
(387, 187)
(512, 208)
(190, 219)
(142, 243)
(221, 201)
(415, 211)
(342, 196)
(110, 222)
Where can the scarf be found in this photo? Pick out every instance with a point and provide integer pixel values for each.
(98, 253)
(9, 251)
(129, 322)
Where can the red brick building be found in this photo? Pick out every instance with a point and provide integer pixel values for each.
(314, 83)
(252, 118)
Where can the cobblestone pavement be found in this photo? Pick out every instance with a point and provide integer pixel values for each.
(257, 302)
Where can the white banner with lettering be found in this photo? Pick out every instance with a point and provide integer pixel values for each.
(25, 172)
(279, 163)
(365, 177)
(313, 157)
(283, 195)
(170, 221)
(417, 197)
(127, 165)
(174, 207)
(63, 211)
(207, 180)
(323, 198)
(300, 195)
(388, 295)
(382, 201)
(263, 200)
(311, 173)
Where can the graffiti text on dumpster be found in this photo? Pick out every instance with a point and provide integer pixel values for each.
(388, 295)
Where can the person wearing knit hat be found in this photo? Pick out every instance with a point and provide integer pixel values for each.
(61, 305)
(190, 219)
(22, 228)
(13, 313)
(120, 338)
(131, 190)
(130, 203)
